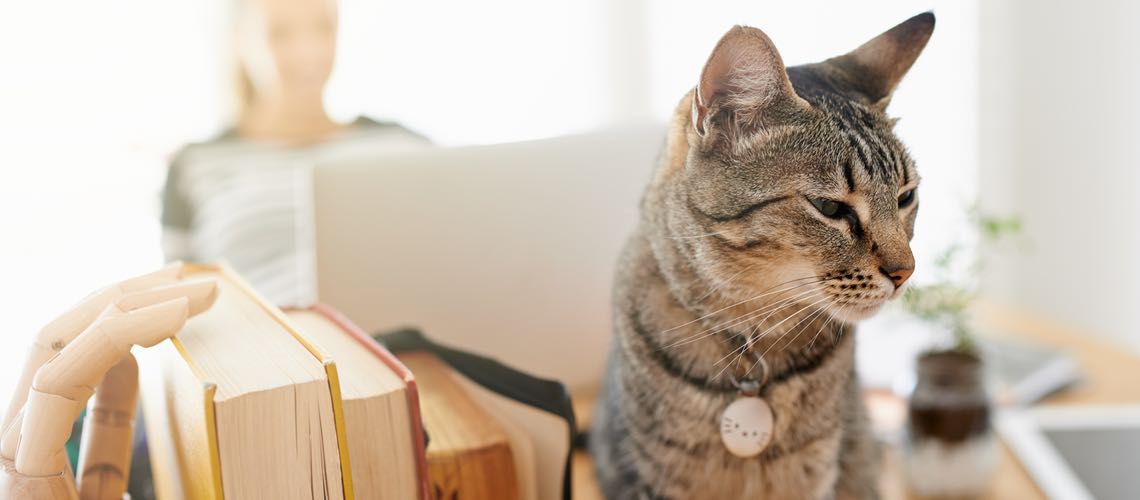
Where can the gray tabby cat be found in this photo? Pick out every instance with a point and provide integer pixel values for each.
(781, 212)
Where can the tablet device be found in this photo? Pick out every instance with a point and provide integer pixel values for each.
(1078, 452)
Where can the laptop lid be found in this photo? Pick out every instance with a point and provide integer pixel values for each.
(505, 250)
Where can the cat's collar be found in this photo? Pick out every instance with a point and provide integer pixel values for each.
(797, 363)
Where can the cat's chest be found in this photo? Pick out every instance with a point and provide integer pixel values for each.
(800, 461)
(808, 414)
(798, 411)
(809, 471)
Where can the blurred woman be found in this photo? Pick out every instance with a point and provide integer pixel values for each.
(244, 196)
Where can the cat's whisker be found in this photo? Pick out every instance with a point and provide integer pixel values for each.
(744, 348)
(730, 323)
(821, 300)
(695, 236)
(801, 325)
(826, 324)
(773, 327)
(791, 341)
(821, 329)
(713, 331)
(748, 344)
(749, 339)
(727, 282)
(770, 308)
(721, 371)
(739, 351)
(761, 295)
(752, 337)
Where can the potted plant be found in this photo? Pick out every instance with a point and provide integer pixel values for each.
(949, 448)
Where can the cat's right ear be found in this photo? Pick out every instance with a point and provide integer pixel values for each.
(743, 86)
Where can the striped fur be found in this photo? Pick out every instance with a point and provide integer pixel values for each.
(731, 255)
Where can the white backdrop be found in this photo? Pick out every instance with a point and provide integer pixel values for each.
(96, 96)
(1060, 120)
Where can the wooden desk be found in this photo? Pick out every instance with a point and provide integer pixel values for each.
(1110, 377)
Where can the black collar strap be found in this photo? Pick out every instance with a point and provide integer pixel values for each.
(800, 364)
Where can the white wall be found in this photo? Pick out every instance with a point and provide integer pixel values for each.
(1060, 115)
(96, 96)
(510, 70)
(93, 97)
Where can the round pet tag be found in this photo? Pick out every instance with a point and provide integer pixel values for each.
(746, 426)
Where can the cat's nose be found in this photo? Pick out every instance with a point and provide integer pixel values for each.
(898, 273)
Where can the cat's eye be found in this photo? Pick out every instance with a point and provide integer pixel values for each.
(906, 198)
(839, 211)
(831, 208)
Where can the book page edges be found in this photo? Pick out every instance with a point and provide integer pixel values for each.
(184, 454)
(209, 390)
(329, 365)
(394, 364)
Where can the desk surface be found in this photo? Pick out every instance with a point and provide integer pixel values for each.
(1110, 376)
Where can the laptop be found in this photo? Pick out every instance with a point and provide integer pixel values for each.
(505, 250)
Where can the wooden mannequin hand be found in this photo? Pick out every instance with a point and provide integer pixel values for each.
(71, 356)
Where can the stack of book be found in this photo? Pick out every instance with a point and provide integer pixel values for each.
(250, 401)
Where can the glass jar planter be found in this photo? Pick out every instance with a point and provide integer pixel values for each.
(950, 448)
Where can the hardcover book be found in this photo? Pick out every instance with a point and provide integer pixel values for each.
(381, 407)
(239, 404)
(493, 432)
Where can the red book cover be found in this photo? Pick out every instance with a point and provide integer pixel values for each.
(400, 370)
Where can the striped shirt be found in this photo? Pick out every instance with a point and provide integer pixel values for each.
(249, 203)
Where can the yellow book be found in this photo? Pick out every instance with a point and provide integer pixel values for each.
(240, 405)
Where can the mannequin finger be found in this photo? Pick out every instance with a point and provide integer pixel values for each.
(168, 274)
(10, 438)
(58, 332)
(147, 325)
(54, 337)
(200, 293)
(61, 330)
(57, 487)
(81, 365)
(44, 432)
(105, 454)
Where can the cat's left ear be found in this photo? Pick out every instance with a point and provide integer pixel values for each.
(743, 87)
(876, 67)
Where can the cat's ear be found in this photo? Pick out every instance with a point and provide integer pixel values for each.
(876, 67)
(743, 86)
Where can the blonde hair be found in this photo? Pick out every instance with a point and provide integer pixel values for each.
(242, 91)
